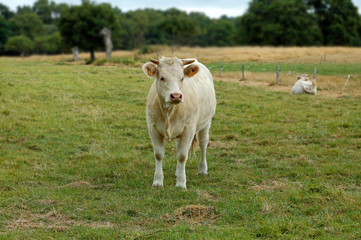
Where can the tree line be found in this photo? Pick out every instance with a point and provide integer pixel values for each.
(50, 28)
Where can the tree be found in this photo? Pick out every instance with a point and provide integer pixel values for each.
(5, 11)
(278, 22)
(24, 9)
(43, 10)
(177, 26)
(27, 24)
(19, 45)
(81, 25)
(338, 20)
(221, 33)
(201, 23)
(4, 32)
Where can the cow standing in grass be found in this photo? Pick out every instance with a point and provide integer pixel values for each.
(180, 104)
(304, 85)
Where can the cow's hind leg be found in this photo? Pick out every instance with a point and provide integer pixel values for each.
(183, 147)
(158, 147)
(203, 138)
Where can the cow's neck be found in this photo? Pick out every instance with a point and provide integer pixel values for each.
(167, 112)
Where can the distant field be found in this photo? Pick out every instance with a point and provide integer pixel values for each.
(76, 160)
(306, 55)
(333, 65)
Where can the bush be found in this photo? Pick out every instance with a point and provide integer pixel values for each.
(48, 44)
(19, 45)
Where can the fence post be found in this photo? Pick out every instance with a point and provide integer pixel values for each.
(220, 68)
(314, 73)
(242, 72)
(278, 74)
(348, 77)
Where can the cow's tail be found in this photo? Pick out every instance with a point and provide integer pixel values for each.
(193, 146)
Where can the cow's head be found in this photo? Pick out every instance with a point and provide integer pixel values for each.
(170, 74)
(304, 77)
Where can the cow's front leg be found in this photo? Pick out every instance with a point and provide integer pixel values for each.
(158, 147)
(183, 147)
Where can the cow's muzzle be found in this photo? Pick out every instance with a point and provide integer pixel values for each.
(176, 98)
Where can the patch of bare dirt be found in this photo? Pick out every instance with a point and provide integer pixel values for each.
(196, 213)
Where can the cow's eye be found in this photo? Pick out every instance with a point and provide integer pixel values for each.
(162, 79)
(182, 79)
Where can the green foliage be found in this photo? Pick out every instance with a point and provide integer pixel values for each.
(50, 44)
(76, 161)
(4, 32)
(279, 23)
(43, 9)
(5, 11)
(27, 24)
(266, 22)
(177, 26)
(19, 45)
(338, 20)
(220, 33)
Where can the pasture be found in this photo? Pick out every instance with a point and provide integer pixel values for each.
(76, 160)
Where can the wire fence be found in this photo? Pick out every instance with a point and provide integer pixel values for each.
(322, 68)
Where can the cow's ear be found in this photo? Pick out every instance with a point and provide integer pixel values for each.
(191, 70)
(150, 69)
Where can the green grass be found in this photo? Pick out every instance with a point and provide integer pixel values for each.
(76, 161)
(322, 69)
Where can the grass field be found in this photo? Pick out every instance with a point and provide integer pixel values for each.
(76, 161)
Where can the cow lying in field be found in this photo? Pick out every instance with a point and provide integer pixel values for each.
(304, 85)
(180, 104)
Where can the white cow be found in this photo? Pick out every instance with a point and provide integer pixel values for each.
(180, 104)
(304, 85)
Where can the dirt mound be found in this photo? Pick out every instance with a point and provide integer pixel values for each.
(195, 213)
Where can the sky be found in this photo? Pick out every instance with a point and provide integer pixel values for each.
(212, 8)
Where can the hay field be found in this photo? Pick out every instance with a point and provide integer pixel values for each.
(237, 54)
(264, 54)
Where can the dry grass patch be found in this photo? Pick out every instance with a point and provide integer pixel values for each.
(83, 56)
(231, 54)
(52, 220)
(263, 54)
(208, 196)
(196, 213)
(81, 184)
(218, 144)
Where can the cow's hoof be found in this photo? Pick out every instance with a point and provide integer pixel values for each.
(180, 185)
(157, 184)
(202, 173)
